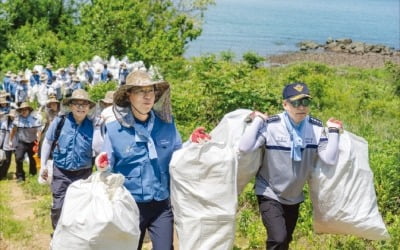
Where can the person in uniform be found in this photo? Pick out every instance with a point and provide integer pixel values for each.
(25, 130)
(68, 141)
(139, 143)
(293, 141)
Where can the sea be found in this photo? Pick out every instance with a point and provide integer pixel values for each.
(269, 27)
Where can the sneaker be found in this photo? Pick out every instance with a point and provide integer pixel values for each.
(20, 180)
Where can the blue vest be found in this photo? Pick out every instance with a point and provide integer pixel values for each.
(73, 150)
(146, 179)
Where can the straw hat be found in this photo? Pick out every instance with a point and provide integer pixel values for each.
(9, 73)
(49, 66)
(23, 80)
(52, 99)
(138, 79)
(4, 94)
(11, 113)
(79, 94)
(162, 102)
(75, 78)
(23, 106)
(108, 98)
(3, 100)
(43, 77)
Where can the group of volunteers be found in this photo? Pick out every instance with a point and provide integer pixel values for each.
(139, 135)
(42, 82)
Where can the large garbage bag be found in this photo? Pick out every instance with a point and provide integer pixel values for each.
(204, 185)
(98, 213)
(343, 196)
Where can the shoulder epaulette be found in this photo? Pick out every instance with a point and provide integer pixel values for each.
(273, 118)
(315, 121)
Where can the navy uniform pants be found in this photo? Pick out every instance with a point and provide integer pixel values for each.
(61, 181)
(20, 150)
(157, 218)
(279, 220)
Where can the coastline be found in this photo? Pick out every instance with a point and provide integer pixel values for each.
(367, 61)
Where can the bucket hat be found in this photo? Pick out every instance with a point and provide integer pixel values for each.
(23, 106)
(52, 99)
(108, 98)
(3, 100)
(139, 78)
(11, 113)
(9, 73)
(78, 94)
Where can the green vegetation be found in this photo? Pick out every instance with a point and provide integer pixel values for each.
(206, 88)
(203, 90)
(61, 32)
(366, 100)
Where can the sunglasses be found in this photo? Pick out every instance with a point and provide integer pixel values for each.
(305, 102)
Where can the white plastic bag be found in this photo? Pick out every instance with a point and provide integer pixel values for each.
(229, 130)
(203, 196)
(98, 213)
(206, 179)
(343, 196)
(46, 168)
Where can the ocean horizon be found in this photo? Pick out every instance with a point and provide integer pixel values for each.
(269, 27)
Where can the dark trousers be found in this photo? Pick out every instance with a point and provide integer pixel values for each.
(20, 150)
(5, 165)
(279, 220)
(61, 181)
(157, 218)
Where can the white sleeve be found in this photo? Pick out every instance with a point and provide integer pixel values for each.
(330, 153)
(45, 151)
(250, 139)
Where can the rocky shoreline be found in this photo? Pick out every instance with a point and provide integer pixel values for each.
(340, 52)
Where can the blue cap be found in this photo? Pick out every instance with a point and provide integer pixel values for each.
(296, 91)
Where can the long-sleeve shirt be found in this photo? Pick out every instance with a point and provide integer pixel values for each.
(280, 177)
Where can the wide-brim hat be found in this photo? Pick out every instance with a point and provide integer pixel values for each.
(23, 106)
(108, 98)
(43, 77)
(3, 100)
(49, 66)
(24, 80)
(139, 78)
(52, 99)
(79, 94)
(11, 113)
(9, 73)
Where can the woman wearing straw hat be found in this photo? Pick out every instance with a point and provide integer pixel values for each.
(5, 130)
(139, 145)
(4, 105)
(25, 130)
(69, 141)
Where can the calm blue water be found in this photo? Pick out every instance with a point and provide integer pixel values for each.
(275, 26)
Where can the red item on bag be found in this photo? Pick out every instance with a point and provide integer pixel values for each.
(199, 134)
(35, 148)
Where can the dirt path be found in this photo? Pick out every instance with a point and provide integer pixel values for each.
(23, 209)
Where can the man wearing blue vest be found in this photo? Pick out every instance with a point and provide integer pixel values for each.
(293, 142)
(69, 140)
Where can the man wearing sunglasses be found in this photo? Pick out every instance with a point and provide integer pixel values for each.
(293, 142)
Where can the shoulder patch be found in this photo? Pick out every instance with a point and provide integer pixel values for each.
(273, 118)
(315, 121)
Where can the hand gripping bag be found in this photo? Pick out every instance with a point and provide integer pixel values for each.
(98, 213)
(343, 196)
(204, 186)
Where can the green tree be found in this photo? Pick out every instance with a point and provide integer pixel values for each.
(152, 31)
